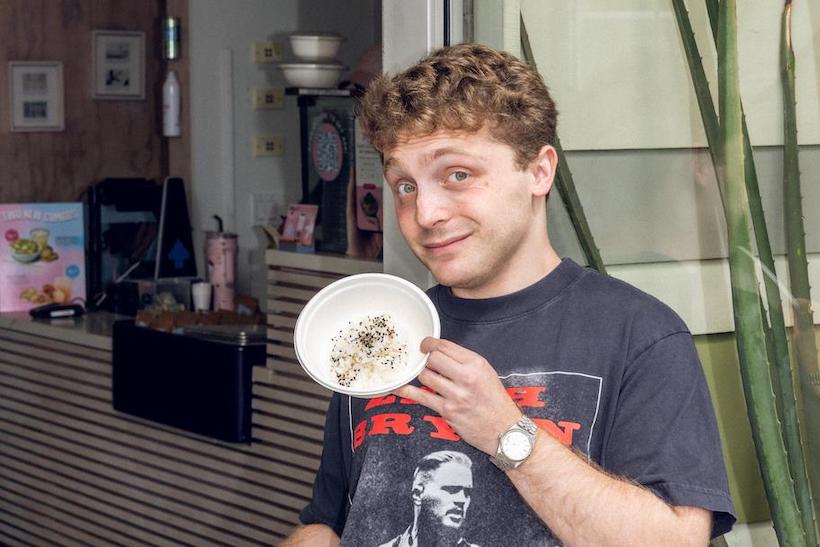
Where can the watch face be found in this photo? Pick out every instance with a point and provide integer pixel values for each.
(516, 445)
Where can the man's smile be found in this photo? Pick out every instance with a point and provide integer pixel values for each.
(442, 245)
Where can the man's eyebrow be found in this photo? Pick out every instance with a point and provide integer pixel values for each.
(391, 162)
(450, 150)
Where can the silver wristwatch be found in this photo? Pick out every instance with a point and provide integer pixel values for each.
(515, 445)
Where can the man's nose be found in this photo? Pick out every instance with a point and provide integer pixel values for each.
(432, 205)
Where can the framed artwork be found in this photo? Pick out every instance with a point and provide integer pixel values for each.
(118, 64)
(36, 94)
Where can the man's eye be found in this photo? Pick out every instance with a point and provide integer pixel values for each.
(404, 188)
(458, 176)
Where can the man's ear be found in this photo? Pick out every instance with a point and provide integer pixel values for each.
(543, 169)
(417, 491)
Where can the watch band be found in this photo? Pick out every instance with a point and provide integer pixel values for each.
(527, 425)
(500, 459)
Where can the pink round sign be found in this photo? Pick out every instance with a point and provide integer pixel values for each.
(326, 151)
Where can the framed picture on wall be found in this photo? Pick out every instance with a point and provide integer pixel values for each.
(36, 93)
(118, 64)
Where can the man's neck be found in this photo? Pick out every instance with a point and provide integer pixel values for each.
(520, 276)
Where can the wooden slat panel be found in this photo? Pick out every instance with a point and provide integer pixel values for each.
(58, 347)
(296, 382)
(279, 306)
(289, 398)
(23, 377)
(281, 350)
(285, 336)
(86, 489)
(6, 539)
(284, 292)
(288, 441)
(279, 424)
(30, 531)
(314, 416)
(156, 491)
(90, 497)
(302, 279)
(136, 431)
(36, 499)
(275, 321)
(262, 375)
(289, 407)
(193, 465)
(321, 263)
(42, 354)
(280, 366)
(98, 380)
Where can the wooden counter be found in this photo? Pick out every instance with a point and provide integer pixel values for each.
(75, 472)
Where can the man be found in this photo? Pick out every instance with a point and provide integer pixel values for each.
(441, 492)
(579, 399)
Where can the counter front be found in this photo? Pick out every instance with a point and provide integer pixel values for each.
(73, 470)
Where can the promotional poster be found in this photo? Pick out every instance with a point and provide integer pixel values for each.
(43, 255)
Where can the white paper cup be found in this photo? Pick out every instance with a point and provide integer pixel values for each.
(351, 299)
(201, 293)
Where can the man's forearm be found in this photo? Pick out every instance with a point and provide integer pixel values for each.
(312, 535)
(583, 505)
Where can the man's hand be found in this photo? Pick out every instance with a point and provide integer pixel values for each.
(312, 535)
(468, 393)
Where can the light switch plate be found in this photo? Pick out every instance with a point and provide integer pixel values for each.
(262, 208)
(267, 146)
(268, 98)
(266, 52)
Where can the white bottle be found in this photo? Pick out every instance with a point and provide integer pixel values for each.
(170, 106)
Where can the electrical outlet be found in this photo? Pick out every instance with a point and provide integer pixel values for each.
(266, 146)
(268, 98)
(266, 52)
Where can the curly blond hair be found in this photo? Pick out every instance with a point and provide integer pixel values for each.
(463, 88)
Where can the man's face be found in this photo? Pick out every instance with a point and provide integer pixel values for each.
(467, 211)
(446, 495)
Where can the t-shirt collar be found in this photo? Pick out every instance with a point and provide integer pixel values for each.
(509, 305)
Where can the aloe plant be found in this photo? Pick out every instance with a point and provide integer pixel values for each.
(775, 328)
(803, 339)
(565, 184)
(757, 384)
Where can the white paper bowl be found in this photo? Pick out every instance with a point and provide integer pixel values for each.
(315, 47)
(312, 74)
(350, 300)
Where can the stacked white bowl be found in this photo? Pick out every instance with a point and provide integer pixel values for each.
(316, 64)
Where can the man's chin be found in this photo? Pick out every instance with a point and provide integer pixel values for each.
(445, 274)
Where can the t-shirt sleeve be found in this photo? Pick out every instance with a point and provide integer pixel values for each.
(665, 435)
(330, 489)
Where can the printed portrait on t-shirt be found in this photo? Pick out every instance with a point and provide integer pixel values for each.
(441, 493)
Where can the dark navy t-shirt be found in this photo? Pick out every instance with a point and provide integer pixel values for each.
(603, 367)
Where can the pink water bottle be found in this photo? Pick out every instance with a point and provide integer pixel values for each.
(221, 253)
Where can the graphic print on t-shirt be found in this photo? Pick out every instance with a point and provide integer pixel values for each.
(403, 453)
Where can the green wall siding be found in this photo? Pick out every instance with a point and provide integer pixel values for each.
(719, 356)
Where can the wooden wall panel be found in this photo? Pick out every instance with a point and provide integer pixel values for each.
(102, 138)
(179, 148)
